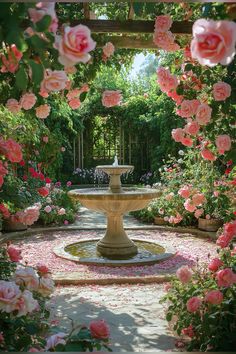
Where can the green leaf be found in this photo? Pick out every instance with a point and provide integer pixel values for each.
(37, 42)
(43, 24)
(188, 67)
(21, 79)
(32, 328)
(37, 72)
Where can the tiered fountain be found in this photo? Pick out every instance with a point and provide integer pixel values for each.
(114, 202)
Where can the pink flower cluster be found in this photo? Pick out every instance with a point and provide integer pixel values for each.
(166, 80)
(43, 111)
(111, 98)
(226, 237)
(53, 81)
(11, 150)
(3, 172)
(108, 50)
(27, 216)
(73, 96)
(27, 101)
(162, 37)
(10, 61)
(193, 199)
(43, 9)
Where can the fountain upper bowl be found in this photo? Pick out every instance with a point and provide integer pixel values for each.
(101, 199)
(115, 170)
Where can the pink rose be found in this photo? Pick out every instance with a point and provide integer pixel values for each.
(215, 264)
(223, 143)
(9, 293)
(177, 134)
(55, 339)
(74, 103)
(213, 42)
(189, 206)
(10, 61)
(198, 199)
(27, 101)
(4, 211)
(203, 114)
(163, 23)
(70, 69)
(73, 94)
(42, 268)
(193, 304)
(13, 106)
(1, 338)
(46, 286)
(187, 141)
(225, 277)
(68, 183)
(44, 8)
(184, 192)
(43, 111)
(31, 214)
(165, 40)
(27, 277)
(166, 80)
(11, 149)
(54, 80)
(223, 241)
(47, 209)
(74, 45)
(214, 297)
(184, 274)
(230, 229)
(108, 49)
(208, 155)
(175, 97)
(99, 329)
(26, 304)
(14, 253)
(66, 222)
(188, 108)
(61, 211)
(198, 213)
(221, 91)
(45, 139)
(192, 128)
(111, 98)
(43, 191)
(188, 331)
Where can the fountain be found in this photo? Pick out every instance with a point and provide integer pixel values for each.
(114, 202)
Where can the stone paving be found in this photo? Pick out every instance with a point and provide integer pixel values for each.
(133, 312)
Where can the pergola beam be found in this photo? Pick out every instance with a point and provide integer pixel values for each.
(129, 42)
(131, 26)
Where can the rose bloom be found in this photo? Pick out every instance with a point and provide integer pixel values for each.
(74, 45)
(188, 331)
(26, 304)
(13, 106)
(73, 93)
(165, 40)
(4, 211)
(108, 49)
(163, 23)
(3, 170)
(198, 213)
(54, 80)
(61, 211)
(9, 293)
(27, 277)
(45, 139)
(230, 229)
(43, 191)
(66, 222)
(198, 199)
(215, 264)
(44, 8)
(213, 42)
(10, 61)
(74, 103)
(188, 108)
(189, 206)
(187, 141)
(214, 297)
(175, 97)
(70, 69)
(203, 114)
(193, 304)
(68, 183)
(184, 192)
(221, 91)
(208, 155)
(43, 111)
(27, 101)
(14, 253)
(166, 80)
(11, 150)
(192, 128)
(31, 215)
(111, 98)
(99, 329)
(177, 134)
(184, 274)
(46, 286)
(223, 241)
(55, 339)
(223, 143)
(47, 209)
(42, 268)
(225, 277)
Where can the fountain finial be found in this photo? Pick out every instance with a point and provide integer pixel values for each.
(115, 163)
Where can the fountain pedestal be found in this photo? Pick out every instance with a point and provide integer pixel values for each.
(116, 243)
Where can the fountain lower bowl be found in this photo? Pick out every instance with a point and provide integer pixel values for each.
(85, 252)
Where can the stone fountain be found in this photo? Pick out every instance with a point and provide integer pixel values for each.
(114, 202)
